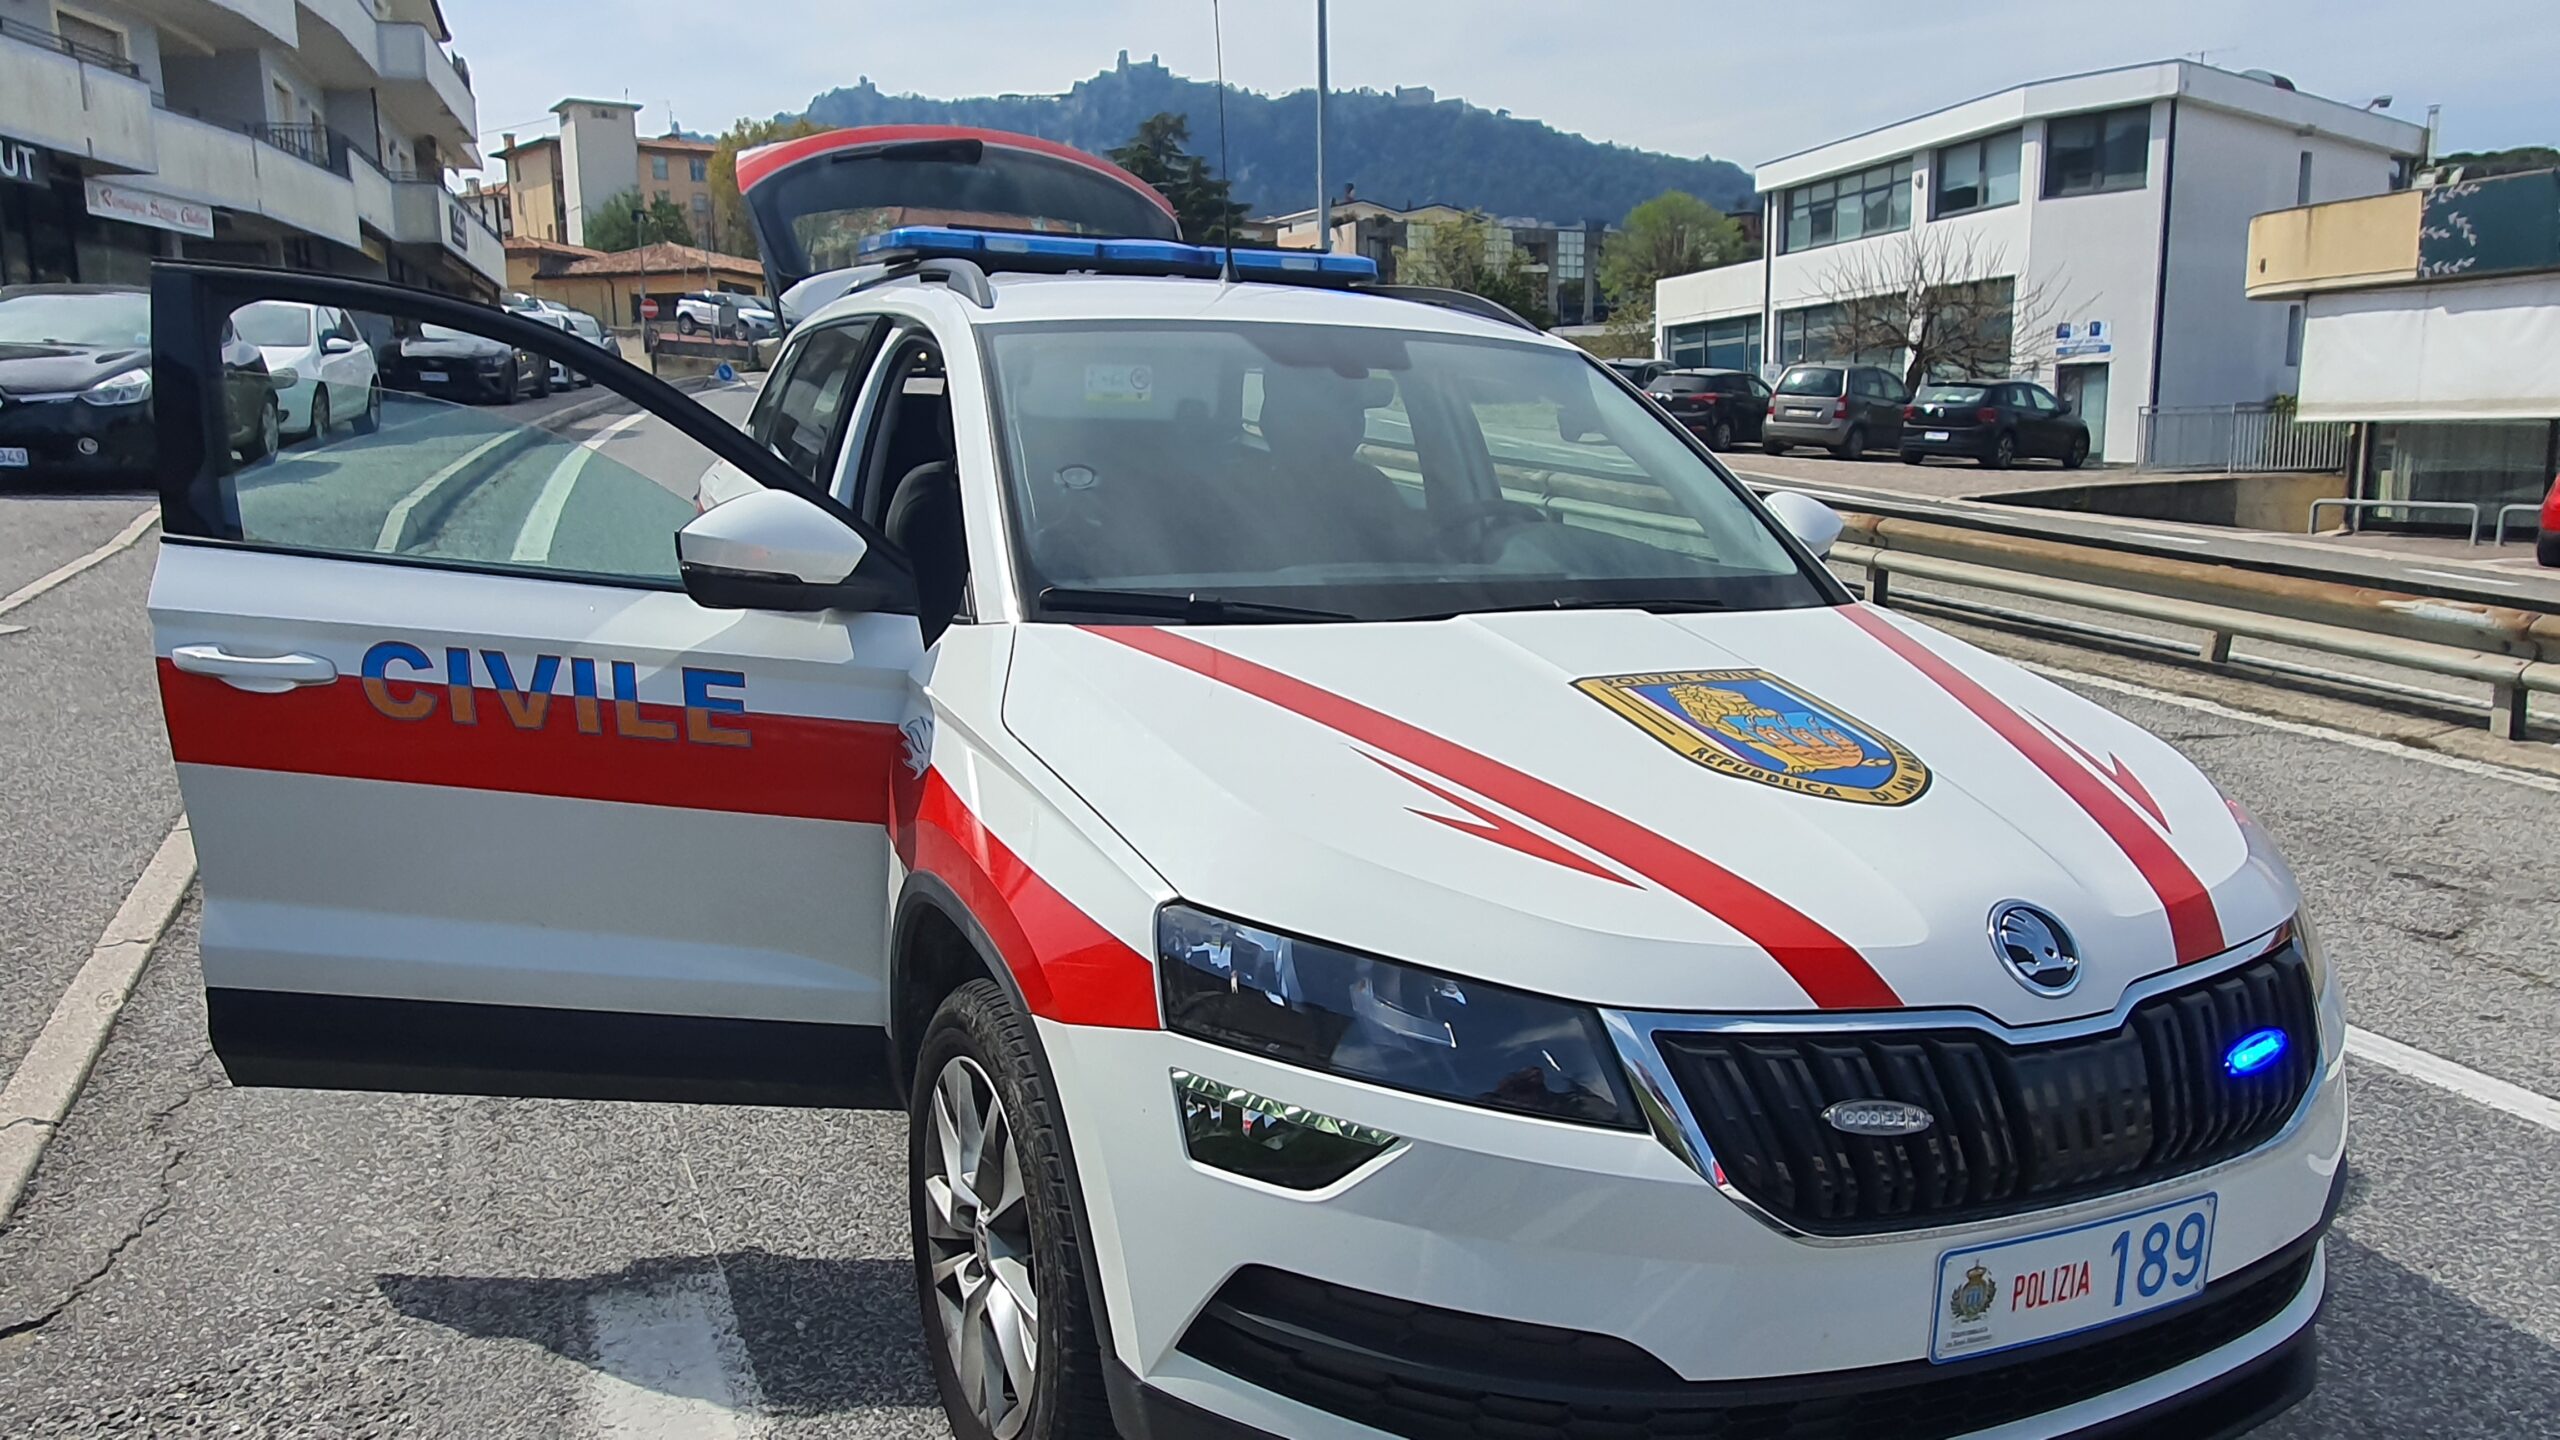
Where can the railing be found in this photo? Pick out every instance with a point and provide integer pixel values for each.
(85, 54)
(312, 144)
(2240, 440)
(2464, 508)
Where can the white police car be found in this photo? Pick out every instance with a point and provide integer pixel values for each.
(1399, 900)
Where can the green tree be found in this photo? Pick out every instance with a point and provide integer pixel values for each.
(1160, 154)
(1474, 254)
(622, 223)
(732, 233)
(1673, 233)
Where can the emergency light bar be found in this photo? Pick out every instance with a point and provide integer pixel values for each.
(997, 250)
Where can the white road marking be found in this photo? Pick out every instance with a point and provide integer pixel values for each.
(2467, 579)
(670, 1365)
(40, 1093)
(131, 532)
(2462, 1080)
(2481, 768)
(2172, 539)
(533, 541)
(395, 525)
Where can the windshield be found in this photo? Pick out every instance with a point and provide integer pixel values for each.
(58, 318)
(1814, 380)
(274, 324)
(1951, 394)
(1680, 384)
(1372, 474)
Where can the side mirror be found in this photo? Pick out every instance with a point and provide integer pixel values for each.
(337, 345)
(773, 550)
(1806, 518)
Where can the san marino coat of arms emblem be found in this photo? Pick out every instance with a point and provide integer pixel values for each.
(1972, 1299)
(1754, 726)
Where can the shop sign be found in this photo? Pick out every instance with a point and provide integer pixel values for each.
(456, 232)
(22, 162)
(118, 201)
(2092, 340)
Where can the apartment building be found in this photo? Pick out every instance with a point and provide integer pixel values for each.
(314, 134)
(556, 181)
(2106, 213)
(1563, 260)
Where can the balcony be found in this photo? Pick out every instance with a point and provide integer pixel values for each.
(292, 182)
(415, 68)
(2339, 245)
(426, 213)
(73, 99)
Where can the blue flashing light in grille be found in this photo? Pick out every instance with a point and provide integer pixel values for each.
(2255, 1052)
(1001, 249)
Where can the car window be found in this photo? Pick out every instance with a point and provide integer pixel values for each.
(2043, 399)
(1360, 472)
(1810, 380)
(804, 407)
(1955, 395)
(1682, 384)
(455, 451)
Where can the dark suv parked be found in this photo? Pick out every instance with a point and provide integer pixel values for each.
(1998, 422)
(1845, 409)
(1718, 406)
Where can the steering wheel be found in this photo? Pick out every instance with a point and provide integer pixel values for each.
(1468, 524)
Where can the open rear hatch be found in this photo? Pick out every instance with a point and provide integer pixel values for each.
(814, 200)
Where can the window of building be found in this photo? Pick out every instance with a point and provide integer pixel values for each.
(2302, 181)
(1805, 334)
(1569, 254)
(2093, 154)
(1978, 174)
(94, 36)
(658, 168)
(663, 195)
(1874, 201)
(700, 169)
(701, 203)
(2293, 334)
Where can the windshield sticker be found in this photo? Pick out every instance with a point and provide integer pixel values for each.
(1119, 384)
(1754, 726)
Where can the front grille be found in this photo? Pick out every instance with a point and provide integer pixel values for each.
(2018, 1126)
(1431, 1374)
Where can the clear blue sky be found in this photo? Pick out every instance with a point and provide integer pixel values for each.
(1703, 78)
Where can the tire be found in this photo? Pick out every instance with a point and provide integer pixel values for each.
(2546, 549)
(2078, 454)
(1910, 457)
(1772, 447)
(1853, 444)
(369, 419)
(2004, 452)
(977, 1057)
(319, 432)
(684, 325)
(269, 436)
(541, 381)
(1722, 438)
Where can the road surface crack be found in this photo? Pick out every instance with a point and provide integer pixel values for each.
(163, 1199)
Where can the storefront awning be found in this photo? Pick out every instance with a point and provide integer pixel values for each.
(2477, 350)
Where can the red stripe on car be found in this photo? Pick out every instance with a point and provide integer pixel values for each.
(1069, 968)
(1828, 968)
(2194, 929)
(582, 749)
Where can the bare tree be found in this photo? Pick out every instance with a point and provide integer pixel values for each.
(1948, 302)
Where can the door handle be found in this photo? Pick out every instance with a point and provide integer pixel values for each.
(259, 674)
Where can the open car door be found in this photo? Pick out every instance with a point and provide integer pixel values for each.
(499, 783)
(814, 200)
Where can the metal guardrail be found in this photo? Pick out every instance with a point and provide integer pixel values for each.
(86, 54)
(2521, 507)
(2465, 506)
(2240, 440)
(2516, 653)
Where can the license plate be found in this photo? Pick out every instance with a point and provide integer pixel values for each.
(432, 377)
(1936, 435)
(13, 457)
(2017, 1292)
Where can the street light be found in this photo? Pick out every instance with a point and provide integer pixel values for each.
(1324, 192)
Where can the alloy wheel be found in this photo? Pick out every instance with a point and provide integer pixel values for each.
(978, 1240)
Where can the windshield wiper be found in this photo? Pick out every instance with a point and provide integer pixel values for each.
(1194, 608)
(1663, 605)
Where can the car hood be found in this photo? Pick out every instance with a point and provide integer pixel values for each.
(1446, 793)
(61, 369)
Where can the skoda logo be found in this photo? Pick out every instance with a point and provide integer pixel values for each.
(2036, 948)
(1878, 1117)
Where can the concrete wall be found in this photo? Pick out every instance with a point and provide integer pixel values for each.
(2336, 245)
(599, 159)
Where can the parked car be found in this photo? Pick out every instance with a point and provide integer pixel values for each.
(2546, 546)
(1640, 373)
(75, 386)
(1718, 406)
(1997, 422)
(322, 369)
(562, 377)
(723, 313)
(454, 364)
(1846, 409)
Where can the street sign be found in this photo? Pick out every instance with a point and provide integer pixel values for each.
(726, 373)
(648, 309)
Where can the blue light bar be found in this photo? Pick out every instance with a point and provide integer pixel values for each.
(1059, 254)
(2255, 1052)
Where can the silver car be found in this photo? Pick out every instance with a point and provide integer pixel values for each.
(1846, 409)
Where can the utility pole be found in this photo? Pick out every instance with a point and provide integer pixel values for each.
(1324, 191)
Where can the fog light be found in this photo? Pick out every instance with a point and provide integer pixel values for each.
(88, 445)
(1263, 1139)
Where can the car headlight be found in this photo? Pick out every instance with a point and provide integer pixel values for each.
(1310, 1004)
(130, 388)
(2314, 955)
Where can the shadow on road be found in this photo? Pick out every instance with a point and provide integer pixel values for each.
(823, 1335)
(2416, 1358)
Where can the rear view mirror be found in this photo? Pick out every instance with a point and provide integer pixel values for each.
(773, 550)
(1806, 518)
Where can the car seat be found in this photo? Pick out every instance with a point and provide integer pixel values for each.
(924, 520)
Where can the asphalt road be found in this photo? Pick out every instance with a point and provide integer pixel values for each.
(197, 1260)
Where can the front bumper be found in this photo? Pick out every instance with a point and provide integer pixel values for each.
(51, 432)
(1611, 1236)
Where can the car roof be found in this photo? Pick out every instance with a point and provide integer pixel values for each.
(1030, 299)
(1703, 370)
(8, 292)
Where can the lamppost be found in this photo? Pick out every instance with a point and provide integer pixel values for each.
(1324, 193)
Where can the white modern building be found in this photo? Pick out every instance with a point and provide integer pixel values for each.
(315, 134)
(2113, 207)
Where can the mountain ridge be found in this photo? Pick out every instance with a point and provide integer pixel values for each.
(1403, 148)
